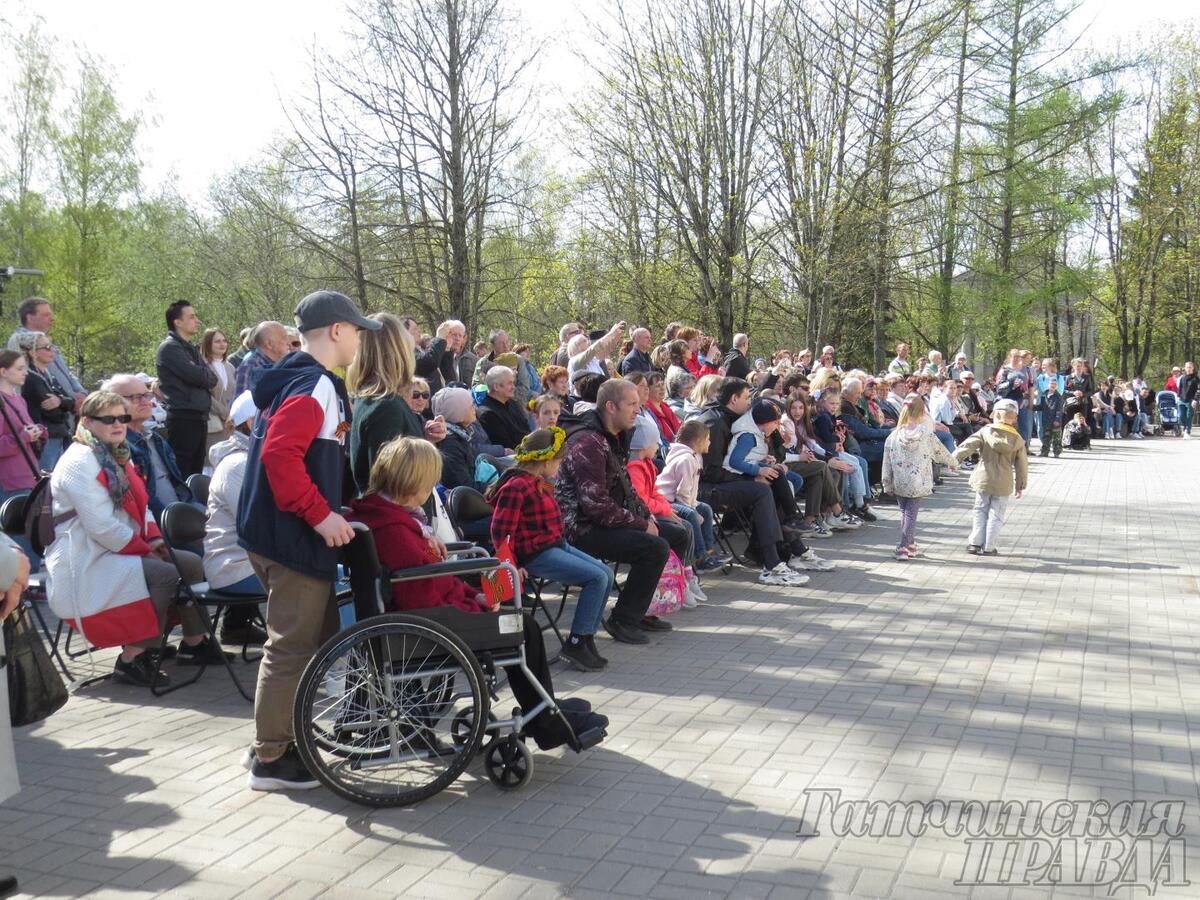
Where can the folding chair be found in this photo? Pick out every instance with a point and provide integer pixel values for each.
(727, 520)
(198, 485)
(183, 523)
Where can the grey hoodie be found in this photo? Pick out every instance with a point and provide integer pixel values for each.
(225, 563)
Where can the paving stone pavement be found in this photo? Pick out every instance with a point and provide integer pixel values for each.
(1057, 670)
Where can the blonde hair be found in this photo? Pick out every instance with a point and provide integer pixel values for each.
(384, 364)
(705, 389)
(823, 378)
(418, 383)
(95, 403)
(404, 467)
(913, 411)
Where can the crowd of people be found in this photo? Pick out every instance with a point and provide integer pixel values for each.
(622, 448)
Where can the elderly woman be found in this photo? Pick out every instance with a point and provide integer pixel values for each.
(380, 380)
(678, 388)
(458, 449)
(50, 403)
(554, 381)
(111, 577)
(504, 419)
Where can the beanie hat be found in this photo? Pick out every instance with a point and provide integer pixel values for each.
(645, 433)
(452, 404)
(764, 411)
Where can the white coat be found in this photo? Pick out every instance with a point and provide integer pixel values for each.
(225, 561)
(908, 457)
(96, 582)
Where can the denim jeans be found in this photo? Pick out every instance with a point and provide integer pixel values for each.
(1025, 422)
(55, 447)
(989, 517)
(946, 438)
(701, 520)
(854, 485)
(1112, 422)
(1185, 416)
(570, 566)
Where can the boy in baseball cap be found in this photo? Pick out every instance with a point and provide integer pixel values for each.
(288, 519)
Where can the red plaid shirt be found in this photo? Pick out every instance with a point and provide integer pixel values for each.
(524, 509)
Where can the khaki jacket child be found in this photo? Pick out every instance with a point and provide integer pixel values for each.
(1003, 459)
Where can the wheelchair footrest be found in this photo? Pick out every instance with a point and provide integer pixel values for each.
(590, 738)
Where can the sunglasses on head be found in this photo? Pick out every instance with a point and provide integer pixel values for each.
(124, 419)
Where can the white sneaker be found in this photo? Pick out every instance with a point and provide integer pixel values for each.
(835, 524)
(851, 522)
(783, 576)
(809, 561)
(1138, 435)
(689, 601)
(696, 591)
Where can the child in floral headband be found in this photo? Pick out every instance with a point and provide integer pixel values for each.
(527, 515)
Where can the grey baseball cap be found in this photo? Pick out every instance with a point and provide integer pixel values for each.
(321, 309)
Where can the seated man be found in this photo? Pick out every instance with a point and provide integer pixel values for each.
(603, 515)
(870, 440)
(500, 415)
(722, 489)
(150, 453)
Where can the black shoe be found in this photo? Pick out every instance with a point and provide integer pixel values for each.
(580, 655)
(288, 773)
(590, 639)
(974, 549)
(244, 635)
(139, 671)
(626, 634)
(865, 514)
(654, 623)
(549, 731)
(8, 885)
(168, 652)
(206, 653)
(575, 704)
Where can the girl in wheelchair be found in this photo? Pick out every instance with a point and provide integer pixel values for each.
(403, 476)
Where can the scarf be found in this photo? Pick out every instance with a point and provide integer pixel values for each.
(112, 462)
(1004, 426)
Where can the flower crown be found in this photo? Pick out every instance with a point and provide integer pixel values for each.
(527, 454)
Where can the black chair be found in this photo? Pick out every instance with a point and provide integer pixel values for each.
(198, 485)
(183, 524)
(12, 523)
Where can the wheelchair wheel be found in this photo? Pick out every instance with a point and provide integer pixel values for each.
(374, 713)
(508, 762)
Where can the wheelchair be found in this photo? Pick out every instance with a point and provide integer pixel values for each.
(393, 709)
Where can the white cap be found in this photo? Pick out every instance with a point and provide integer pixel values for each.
(243, 409)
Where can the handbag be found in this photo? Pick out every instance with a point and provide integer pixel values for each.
(671, 590)
(35, 689)
(498, 587)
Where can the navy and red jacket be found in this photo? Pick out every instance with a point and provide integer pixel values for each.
(524, 508)
(295, 465)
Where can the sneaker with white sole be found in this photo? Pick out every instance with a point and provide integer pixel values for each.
(689, 600)
(833, 523)
(696, 591)
(809, 561)
(850, 521)
(288, 773)
(820, 531)
(783, 576)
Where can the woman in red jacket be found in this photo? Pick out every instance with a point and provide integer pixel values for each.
(403, 476)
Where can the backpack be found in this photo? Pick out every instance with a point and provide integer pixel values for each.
(40, 520)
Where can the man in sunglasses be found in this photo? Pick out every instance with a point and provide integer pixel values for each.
(152, 456)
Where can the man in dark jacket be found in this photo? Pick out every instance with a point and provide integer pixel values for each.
(638, 359)
(288, 519)
(603, 515)
(1189, 391)
(736, 363)
(723, 490)
(185, 379)
(435, 365)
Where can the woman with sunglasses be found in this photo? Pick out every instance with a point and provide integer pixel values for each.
(49, 402)
(111, 575)
(418, 398)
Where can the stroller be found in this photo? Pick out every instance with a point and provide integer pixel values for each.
(1168, 412)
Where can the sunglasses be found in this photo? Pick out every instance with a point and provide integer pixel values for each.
(296, 344)
(124, 419)
(43, 347)
(420, 395)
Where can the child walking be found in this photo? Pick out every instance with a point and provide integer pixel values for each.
(908, 457)
(525, 510)
(679, 483)
(1003, 462)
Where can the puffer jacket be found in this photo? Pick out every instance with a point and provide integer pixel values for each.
(226, 563)
(1003, 459)
(593, 488)
(908, 454)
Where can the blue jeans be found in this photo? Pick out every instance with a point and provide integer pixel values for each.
(570, 566)
(1185, 416)
(701, 520)
(854, 485)
(1112, 422)
(1025, 422)
(55, 447)
(250, 585)
(946, 438)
